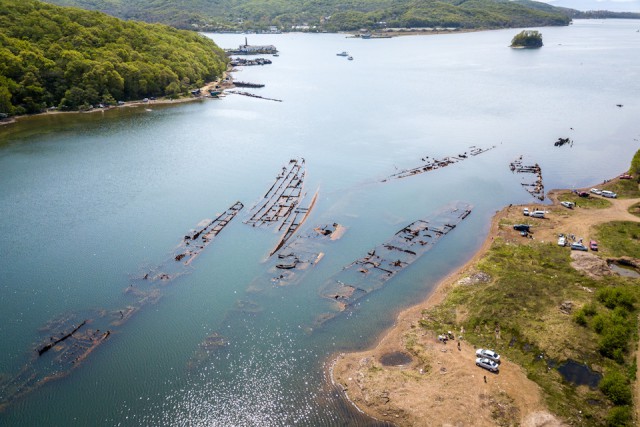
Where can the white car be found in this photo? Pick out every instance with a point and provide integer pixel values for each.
(537, 214)
(578, 246)
(596, 191)
(609, 194)
(562, 241)
(489, 354)
(488, 364)
(525, 211)
(568, 205)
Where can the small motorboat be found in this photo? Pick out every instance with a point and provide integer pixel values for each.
(350, 58)
(343, 53)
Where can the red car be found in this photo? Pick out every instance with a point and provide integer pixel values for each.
(593, 245)
(626, 176)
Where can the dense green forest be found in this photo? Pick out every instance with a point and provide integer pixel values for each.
(528, 39)
(69, 58)
(330, 15)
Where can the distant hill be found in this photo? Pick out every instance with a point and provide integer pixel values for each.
(597, 12)
(71, 58)
(609, 5)
(327, 15)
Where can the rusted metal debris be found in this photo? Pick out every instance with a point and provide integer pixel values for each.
(252, 95)
(383, 262)
(293, 222)
(194, 242)
(71, 341)
(55, 341)
(282, 198)
(303, 252)
(433, 164)
(536, 187)
(294, 260)
(70, 337)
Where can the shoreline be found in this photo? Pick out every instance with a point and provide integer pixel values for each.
(348, 370)
(136, 103)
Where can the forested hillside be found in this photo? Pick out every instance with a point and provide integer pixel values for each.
(72, 58)
(328, 15)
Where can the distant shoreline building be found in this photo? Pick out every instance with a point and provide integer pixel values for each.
(247, 49)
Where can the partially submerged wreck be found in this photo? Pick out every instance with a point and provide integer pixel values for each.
(535, 187)
(433, 164)
(303, 252)
(281, 204)
(372, 271)
(68, 340)
(194, 242)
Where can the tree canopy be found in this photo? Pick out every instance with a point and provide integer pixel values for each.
(527, 38)
(329, 15)
(69, 58)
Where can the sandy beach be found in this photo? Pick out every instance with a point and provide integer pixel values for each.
(441, 384)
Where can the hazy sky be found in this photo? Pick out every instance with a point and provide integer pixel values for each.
(613, 5)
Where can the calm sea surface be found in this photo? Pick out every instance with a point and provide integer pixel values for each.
(89, 202)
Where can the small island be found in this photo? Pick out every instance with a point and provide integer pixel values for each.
(527, 39)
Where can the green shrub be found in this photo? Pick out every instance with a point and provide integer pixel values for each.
(589, 309)
(635, 166)
(620, 416)
(616, 297)
(613, 342)
(580, 318)
(599, 322)
(616, 387)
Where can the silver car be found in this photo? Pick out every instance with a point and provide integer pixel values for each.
(489, 354)
(488, 364)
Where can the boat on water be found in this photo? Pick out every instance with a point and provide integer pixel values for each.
(214, 93)
(343, 53)
(350, 58)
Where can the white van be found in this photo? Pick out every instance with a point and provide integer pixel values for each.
(610, 194)
(537, 214)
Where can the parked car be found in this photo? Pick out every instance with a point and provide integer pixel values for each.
(562, 241)
(489, 354)
(568, 205)
(609, 194)
(521, 227)
(525, 211)
(488, 364)
(537, 214)
(577, 246)
(593, 245)
(626, 176)
(583, 194)
(596, 191)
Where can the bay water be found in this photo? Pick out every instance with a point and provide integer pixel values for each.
(90, 201)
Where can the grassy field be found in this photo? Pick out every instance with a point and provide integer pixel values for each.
(624, 188)
(540, 312)
(620, 238)
(592, 201)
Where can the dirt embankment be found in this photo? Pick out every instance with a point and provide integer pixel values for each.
(441, 386)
